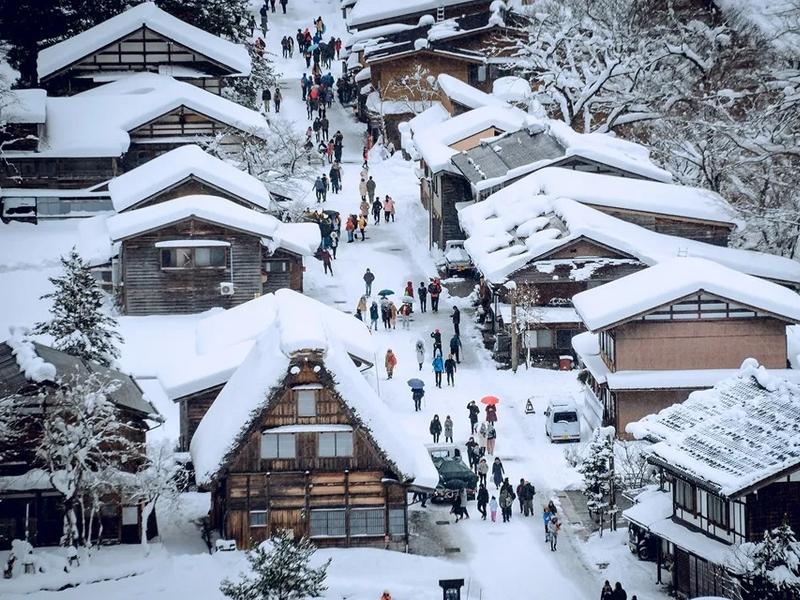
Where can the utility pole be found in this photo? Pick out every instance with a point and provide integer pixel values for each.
(514, 333)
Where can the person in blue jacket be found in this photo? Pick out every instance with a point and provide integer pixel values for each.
(438, 368)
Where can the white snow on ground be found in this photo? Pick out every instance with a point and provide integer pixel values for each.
(497, 560)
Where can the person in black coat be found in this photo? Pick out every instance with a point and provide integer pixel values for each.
(619, 592)
(456, 316)
(376, 211)
(437, 341)
(450, 370)
(483, 500)
(435, 428)
(422, 292)
(416, 396)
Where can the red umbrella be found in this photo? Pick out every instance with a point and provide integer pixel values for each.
(490, 400)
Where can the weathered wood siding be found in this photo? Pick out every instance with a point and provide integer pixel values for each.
(711, 233)
(51, 173)
(192, 410)
(292, 278)
(188, 187)
(451, 189)
(770, 506)
(148, 289)
(634, 405)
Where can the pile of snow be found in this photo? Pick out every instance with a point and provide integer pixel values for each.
(25, 106)
(677, 278)
(171, 168)
(515, 226)
(294, 328)
(511, 89)
(98, 122)
(147, 14)
(420, 44)
(30, 363)
(302, 238)
(466, 95)
(429, 117)
(735, 435)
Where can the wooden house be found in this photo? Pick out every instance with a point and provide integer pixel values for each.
(29, 504)
(187, 171)
(297, 439)
(367, 15)
(676, 327)
(142, 39)
(730, 470)
(91, 137)
(561, 247)
(223, 342)
(194, 253)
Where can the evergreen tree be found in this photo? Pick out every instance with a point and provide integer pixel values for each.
(79, 326)
(596, 470)
(280, 571)
(225, 18)
(773, 568)
(247, 90)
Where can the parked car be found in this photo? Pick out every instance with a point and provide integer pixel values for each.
(456, 258)
(562, 422)
(453, 473)
(642, 543)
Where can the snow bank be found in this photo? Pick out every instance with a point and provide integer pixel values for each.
(511, 89)
(148, 15)
(30, 363)
(674, 279)
(465, 94)
(176, 165)
(25, 106)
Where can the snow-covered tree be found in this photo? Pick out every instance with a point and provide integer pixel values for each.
(79, 325)
(595, 467)
(771, 567)
(225, 18)
(526, 314)
(281, 570)
(160, 477)
(247, 90)
(81, 446)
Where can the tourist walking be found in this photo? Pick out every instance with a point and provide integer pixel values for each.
(277, 98)
(491, 413)
(388, 208)
(435, 289)
(326, 261)
(373, 316)
(456, 318)
(405, 315)
(435, 428)
(497, 472)
(438, 367)
(370, 185)
(450, 370)
(491, 438)
(483, 470)
(376, 212)
(474, 411)
(369, 277)
(448, 430)
(420, 350)
(422, 292)
(554, 526)
(455, 347)
(437, 341)
(483, 500)
(493, 509)
(390, 362)
(416, 396)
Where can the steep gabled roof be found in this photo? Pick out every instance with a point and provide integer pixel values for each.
(176, 165)
(61, 55)
(254, 386)
(743, 432)
(637, 294)
(302, 238)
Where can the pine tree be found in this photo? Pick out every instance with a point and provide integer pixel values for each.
(773, 569)
(225, 18)
(280, 571)
(247, 90)
(79, 326)
(596, 470)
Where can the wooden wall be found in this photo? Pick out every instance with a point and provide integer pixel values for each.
(276, 280)
(637, 404)
(191, 186)
(710, 344)
(386, 75)
(192, 410)
(147, 289)
(452, 189)
(56, 173)
(768, 508)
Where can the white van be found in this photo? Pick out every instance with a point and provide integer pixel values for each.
(562, 423)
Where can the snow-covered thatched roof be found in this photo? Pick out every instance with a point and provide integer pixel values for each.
(171, 168)
(98, 122)
(60, 55)
(674, 279)
(302, 238)
(293, 329)
(743, 432)
(515, 226)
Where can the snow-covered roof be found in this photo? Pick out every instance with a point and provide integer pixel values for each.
(302, 238)
(740, 433)
(465, 94)
(32, 366)
(376, 33)
(243, 399)
(370, 11)
(147, 14)
(434, 143)
(176, 165)
(97, 122)
(24, 106)
(429, 117)
(677, 278)
(514, 227)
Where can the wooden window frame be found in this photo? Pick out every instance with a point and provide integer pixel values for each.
(264, 512)
(278, 446)
(297, 396)
(318, 511)
(678, 500)
(192, 252)
(336, 443)
(726, 522)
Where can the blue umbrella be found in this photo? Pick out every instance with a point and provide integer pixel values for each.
(416, 384)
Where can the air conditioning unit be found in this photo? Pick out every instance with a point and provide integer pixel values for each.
(226, 288)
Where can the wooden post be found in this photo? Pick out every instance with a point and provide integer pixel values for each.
(405, 516)
(307, 505)
(247, 508)
(514, 334)
(267, 499)
(347, 506)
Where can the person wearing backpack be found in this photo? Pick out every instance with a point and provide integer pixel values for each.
(435, 289)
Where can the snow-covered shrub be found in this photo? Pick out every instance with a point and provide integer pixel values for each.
(770, 568)
(595, 466)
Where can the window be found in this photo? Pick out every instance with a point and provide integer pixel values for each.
(189, 258)
(277, 445)
(564, 337)
(327, 523)
(684, 495)
(397, 521)
(306, 403)
(276, 266)
(717, 510)
(335, 443)
(539, 338)
(367, 522)
(259, 518)
(565, 417)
